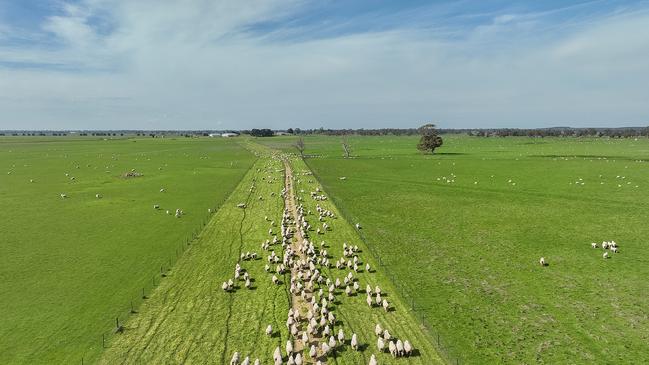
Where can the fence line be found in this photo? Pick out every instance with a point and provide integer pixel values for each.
(149, 286)
(446, 351)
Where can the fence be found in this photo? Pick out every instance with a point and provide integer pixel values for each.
(116, 323)
(445, 349)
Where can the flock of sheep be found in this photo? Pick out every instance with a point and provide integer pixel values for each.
(311, 318)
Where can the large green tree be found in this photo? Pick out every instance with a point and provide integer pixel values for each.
(430, 140)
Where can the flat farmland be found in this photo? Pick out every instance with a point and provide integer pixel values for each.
(70, 266)
(463, 231)
(190, 318)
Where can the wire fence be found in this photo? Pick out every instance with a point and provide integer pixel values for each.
(446, 350)
(147, 285)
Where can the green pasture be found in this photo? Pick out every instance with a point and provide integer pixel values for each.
(189, 318)
(70, 266)
(463, 230)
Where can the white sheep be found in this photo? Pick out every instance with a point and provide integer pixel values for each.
(380, 344)
(386, 305)
(341, 336)
(593, 245)
(354, 342)
(407, 347)
(378, 330)
(605, 255)
(235, 359)
(289, 347)
(277, 355)
(269, 330)
(373, 360)
(542, 261)
(386, 335)
(399, 348)
(392, 348)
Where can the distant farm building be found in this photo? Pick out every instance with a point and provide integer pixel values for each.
(229, 134)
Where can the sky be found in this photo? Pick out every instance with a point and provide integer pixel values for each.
(235, 64)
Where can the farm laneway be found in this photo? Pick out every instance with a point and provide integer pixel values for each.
(272, 226)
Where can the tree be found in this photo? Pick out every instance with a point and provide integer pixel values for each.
(261, 132)
(346, 147)
(299, 144)
(429, 138)
(289, 131)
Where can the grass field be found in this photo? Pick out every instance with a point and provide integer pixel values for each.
(457, 235)
(70, 266)
(190, 319)
(463, 231)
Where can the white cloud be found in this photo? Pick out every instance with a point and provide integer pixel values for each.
(192, 64)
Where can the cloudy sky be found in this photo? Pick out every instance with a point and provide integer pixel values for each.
(221, 64)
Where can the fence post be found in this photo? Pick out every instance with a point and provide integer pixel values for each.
(103, 341)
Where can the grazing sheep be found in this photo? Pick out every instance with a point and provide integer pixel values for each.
(358, 226)
(367, 267)
(386, 335)
(269, 330)
(275, 280)
(289, 347)
(162, 190)
(332, 342)
(378, 330)
(257, 362)
(98, 196)
(313, 351)
(407, 348)
(380, 344)
(235, 359)
(605, 255)
(373, 360)
(341, 336)
(354, 342)
(542, 261)
(386, 305)
(298, 359)
(399, 348)
(246, 361)
(369, 302)
(593, 245)
(392, 348)
(63, 196)
(156, 206)
(614, 249)
(277, 355)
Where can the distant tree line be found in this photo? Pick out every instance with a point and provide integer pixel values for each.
(622, 132)
(265, 132)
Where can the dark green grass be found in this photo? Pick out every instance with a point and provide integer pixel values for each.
(70, 266)
(469, 252)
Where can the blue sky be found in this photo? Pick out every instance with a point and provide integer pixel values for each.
(199, 64)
